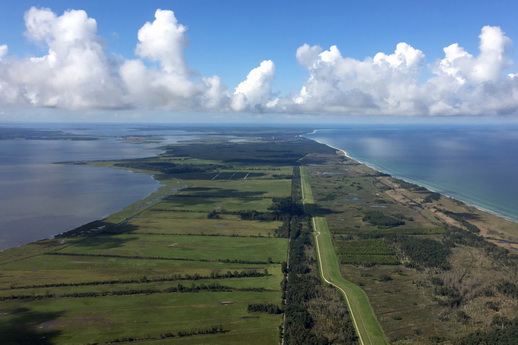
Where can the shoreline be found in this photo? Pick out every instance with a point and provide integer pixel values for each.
(505, 226)
(101, 218)
(107, 213)
(419, 183)
(149, 150)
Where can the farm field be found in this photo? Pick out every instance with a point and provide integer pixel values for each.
(184, 263)
(225, 252)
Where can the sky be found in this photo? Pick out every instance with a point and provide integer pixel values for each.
(244, 60)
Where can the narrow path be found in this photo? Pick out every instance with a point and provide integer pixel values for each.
(364, 319)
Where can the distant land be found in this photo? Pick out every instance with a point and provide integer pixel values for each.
(35, 134)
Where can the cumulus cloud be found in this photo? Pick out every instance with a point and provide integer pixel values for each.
(339, 84)
(3, 50)
(170, 85)
(164, 41)
(465, 84)
(461, 84)
(256, 91)
(76, 73)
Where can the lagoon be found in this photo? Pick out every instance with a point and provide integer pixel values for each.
(39, 199)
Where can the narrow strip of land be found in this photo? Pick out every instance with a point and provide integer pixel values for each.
(365, 321)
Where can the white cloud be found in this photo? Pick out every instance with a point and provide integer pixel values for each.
(462, 84)
(164, 41)
(492, 59)
(255, 92)
(3, 50)
(76, 73)
(470, 85)
(169, 86)
(343, 85)
(487, 66)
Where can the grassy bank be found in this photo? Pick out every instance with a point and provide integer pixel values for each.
(367, 327)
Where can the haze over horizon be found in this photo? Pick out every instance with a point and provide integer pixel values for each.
(162, 61)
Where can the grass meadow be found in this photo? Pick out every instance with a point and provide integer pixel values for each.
(159, 269)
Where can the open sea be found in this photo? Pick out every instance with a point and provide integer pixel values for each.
(39, 199)
(477, 164)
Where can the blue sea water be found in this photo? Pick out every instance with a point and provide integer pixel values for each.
(477, 164)
(39, 199)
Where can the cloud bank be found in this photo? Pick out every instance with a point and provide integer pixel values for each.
(461, 84)
(77, 73)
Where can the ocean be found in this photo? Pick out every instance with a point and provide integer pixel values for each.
(477, 164)
(39, 199)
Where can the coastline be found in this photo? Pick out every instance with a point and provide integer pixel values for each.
(493, 226)
(162, 247)
(469, 203)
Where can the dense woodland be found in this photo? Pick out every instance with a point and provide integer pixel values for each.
(421, 252)
(503, 332)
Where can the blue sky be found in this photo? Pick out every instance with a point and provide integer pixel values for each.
(256, 50)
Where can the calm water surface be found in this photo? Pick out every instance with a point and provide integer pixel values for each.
(473, 163)
(39, 199)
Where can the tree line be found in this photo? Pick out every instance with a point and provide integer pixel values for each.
(234, 261)
(503, 331)
(178, 288)
(268, 308)
(378, 218)
(217, 329)
(457, 236)
(174, 277)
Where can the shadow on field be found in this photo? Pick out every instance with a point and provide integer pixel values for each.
(467, 216)
(27, 327)
(105, 241)
(315, 211)
(207, 196)
(219, 193)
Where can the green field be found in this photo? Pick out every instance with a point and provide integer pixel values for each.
(367, 252)
(188, 247)
(162, 268)
(257, 219)
(101, 319)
